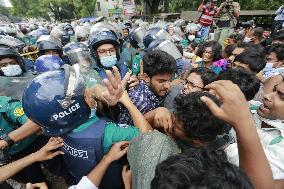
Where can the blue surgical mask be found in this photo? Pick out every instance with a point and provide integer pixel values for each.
(12, 70)
(93, 112)
(108, 61)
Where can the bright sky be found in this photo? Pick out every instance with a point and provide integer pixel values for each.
(7, 3)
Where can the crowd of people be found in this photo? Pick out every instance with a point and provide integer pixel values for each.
(133, 104)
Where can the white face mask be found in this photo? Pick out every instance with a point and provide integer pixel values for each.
(191, 37)
(12, 70)
(108, 61)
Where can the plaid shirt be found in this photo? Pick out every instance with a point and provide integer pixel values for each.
(144, 99)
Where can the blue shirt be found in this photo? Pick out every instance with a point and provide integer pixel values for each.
(144, 99)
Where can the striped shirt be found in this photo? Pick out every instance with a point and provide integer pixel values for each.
(206, 18)
(144, 99)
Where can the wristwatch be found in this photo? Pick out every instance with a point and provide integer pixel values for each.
(6, 138)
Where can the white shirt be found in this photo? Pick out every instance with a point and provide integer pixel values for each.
(84, 183)
(273, 152)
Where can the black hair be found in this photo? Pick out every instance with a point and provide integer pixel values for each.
(237, 37)
(199, 169)
(279, 36)
(216, 49)
(158, 62)
(206, 74)
(253, 57)
(229, 49)
(196, 119)
(278, 49)
(258, 32)
(246, 80)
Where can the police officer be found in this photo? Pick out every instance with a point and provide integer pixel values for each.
(48, 45)
(12, 116)
(69, 114)
(105, 48)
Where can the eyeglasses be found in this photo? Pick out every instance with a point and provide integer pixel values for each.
(104, 51)
(192, 84)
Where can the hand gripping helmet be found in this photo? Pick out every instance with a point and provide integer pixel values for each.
(102, 37)
(55, 101)
(48, 63)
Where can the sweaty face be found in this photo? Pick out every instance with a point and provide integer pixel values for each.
(193, 83)
(106, 50)
(273, 104)
(160, 84)
(7, 61)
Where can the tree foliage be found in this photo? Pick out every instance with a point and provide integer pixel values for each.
(58, 9)
(69, 9)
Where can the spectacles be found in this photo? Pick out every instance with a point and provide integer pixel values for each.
(104, 51)
(192, 84)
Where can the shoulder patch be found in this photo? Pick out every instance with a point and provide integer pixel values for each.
(19, 112)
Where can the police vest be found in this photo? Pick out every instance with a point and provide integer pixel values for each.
(84, 150)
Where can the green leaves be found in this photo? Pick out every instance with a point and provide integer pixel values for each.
(59, 9)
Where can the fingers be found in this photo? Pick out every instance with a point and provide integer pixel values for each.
(122, 143)
(54, 143)
(213, 107)
(116, 74)
(56, 154)
(125, 80)
(124, 169)
(109, 87)
(111, 79)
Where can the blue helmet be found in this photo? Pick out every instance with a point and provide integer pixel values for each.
(150, 36)
(55, 101)
(48, 45)
(46, 63)
(102, 37)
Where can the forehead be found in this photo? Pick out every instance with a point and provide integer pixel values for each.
(238, 51)
(272, 55)
(194, 76)
(165, 76)
(106, 46)
(208, 49)
(7, 60)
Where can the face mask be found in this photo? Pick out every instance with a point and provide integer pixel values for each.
(191, 37)
(70, 32)
(12, 70)
(93, 112)
(108, 61)
(247, 39)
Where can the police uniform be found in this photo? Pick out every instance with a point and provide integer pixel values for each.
(12, 116)
(85, 146)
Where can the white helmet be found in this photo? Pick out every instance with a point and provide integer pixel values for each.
(82, 32)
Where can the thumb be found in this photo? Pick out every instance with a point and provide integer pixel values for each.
(216, 111)
(29, 186)
(124, 169)
(125, 80)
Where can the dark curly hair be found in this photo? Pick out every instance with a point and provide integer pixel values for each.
(278, 49)
(196, 119)
(246, 80)
(253, 57)
(199, 168)
(216, 49)
(158, 62)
